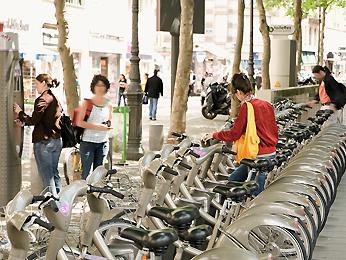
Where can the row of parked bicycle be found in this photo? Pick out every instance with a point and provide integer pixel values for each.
(188, 208)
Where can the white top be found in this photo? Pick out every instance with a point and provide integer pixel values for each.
(98, 115)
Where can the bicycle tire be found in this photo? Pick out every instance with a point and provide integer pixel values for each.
(38, 254)
(290, 235)
(71, 157)
(113, 224)
(306, 238)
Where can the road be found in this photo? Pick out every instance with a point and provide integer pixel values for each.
(196, 124)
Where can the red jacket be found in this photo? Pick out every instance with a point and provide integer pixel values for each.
(267, 129)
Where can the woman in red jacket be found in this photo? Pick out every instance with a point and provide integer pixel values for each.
(266, 127)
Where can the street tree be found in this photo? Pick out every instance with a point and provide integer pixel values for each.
(235, 105)
(180, 97)
(70, 83)
(266, 44)
(297, 36)
(324, 6)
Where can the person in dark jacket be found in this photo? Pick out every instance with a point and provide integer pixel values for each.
(153, 88)
(331, 94)
(46, 135)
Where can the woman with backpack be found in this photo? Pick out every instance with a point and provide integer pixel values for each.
(46, 135)
(94, 145)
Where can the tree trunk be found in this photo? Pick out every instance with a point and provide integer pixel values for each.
(70, 83)
(235, 105)
(239, 41)
(323, 26)
(179, 106)
(298, 31)
(266, 45)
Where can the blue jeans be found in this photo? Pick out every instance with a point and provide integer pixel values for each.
(47, 155)
(241, 173)
(92, 154)
(153, 107)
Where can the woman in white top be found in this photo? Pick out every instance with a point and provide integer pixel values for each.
(94, 145)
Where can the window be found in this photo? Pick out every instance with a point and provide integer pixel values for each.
(75, 2)
(221, 23)
(315, 37)
(310, 36)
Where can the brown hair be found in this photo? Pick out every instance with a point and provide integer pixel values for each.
(51, 83)
(98, 78)
(241, 82)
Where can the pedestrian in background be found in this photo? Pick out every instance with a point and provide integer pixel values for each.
(122, 89)
(46, 135)
(204, 88)
(94, 146)
(146, 76)
(153, 88)
(331, 94)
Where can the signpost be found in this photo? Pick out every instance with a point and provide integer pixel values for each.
(281, 29)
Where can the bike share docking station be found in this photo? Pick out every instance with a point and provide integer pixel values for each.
(11, 138)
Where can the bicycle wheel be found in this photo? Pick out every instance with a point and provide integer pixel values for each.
(278, 241)
(42, 252)
(122, 249)
(72, 166)
(38, 254)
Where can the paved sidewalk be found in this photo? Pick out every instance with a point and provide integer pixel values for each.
(331, 243)
(197, 125)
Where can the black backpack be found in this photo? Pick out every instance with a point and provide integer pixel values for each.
(67, 132)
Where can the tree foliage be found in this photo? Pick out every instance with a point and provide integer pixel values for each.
(307, 5)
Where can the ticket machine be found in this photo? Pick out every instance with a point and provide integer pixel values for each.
(11, 135)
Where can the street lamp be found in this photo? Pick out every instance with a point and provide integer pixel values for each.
(251, 61)
(134, 93)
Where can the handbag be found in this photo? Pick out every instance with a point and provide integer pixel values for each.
(79, 130)
(247, 145)
(145, 99)
(67, 132)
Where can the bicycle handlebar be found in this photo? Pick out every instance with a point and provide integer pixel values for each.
(182, 164)
(225, 149)
(111, 172)
(194, 154)
(38, 198)
(44, 224)
(93, 189)
(177, 135)
(53, 205)
(49, 200)
(170, 170)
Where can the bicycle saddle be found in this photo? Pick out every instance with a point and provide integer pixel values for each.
(180, 218)
(258, 164)
(295, 135)
(156, 241)
(251, 187)
(236, 194)
(281, 158)
(286, 152)
(196, 236)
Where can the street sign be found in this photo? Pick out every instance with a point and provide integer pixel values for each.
(168, 10)
(281, 29)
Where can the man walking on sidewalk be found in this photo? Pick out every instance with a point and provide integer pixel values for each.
(153, 88)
